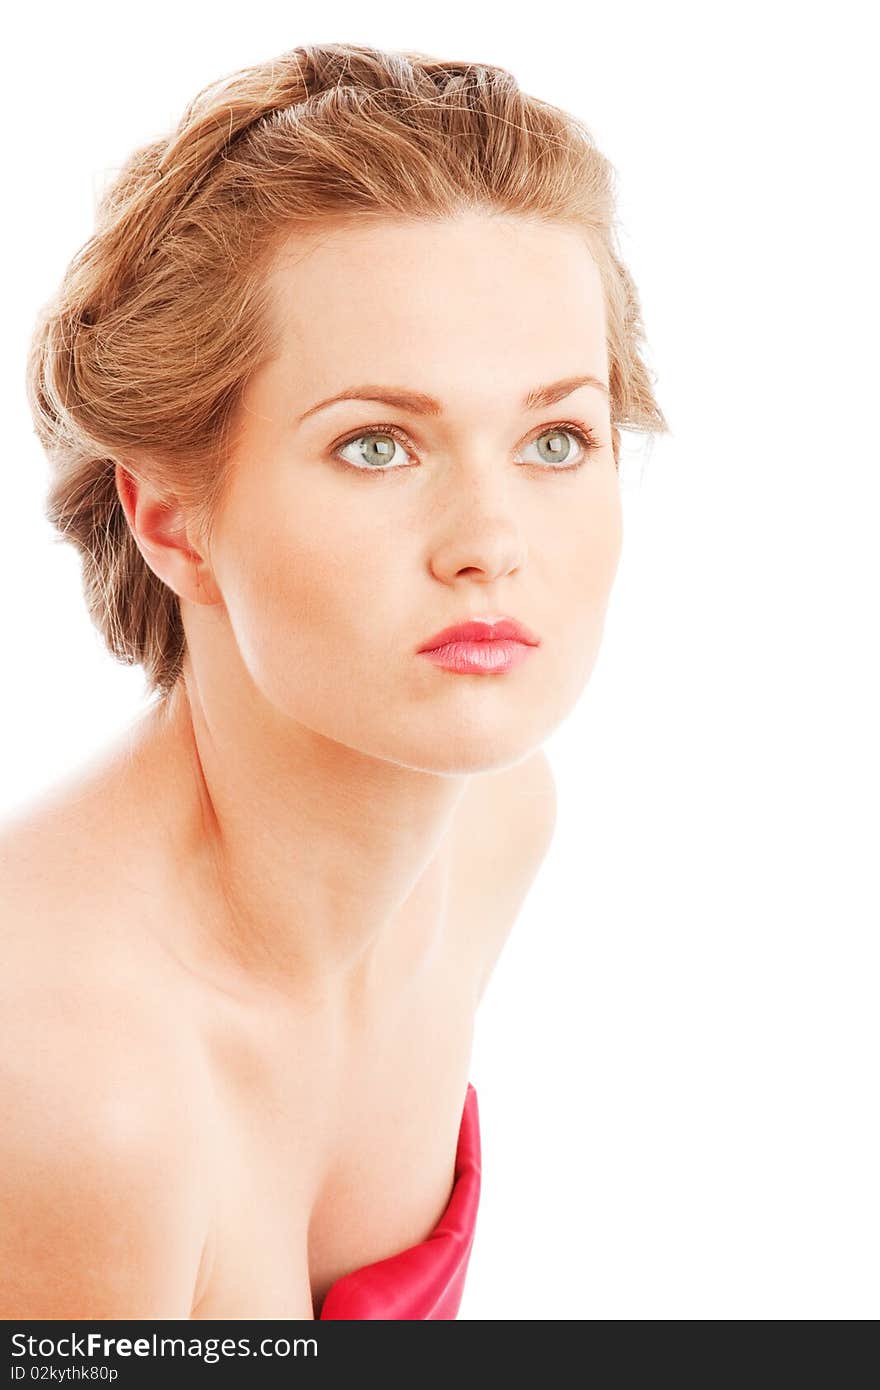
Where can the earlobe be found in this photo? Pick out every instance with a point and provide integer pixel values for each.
(159, 530)
(206, 591)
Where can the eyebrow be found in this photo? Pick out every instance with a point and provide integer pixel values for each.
(420, 404)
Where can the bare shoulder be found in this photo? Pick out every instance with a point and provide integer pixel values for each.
(503, 830)
(100, 1208)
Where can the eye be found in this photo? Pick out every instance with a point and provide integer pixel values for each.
(378, 455)
(558, 454)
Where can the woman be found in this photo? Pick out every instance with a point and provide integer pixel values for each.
(343, 367)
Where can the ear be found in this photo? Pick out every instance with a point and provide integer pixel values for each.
(159, 529)
(615, 445)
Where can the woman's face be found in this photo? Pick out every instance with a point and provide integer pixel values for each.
(352, 533)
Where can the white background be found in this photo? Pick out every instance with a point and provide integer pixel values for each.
(676, 1059)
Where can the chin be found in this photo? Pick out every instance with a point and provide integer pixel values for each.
(462, 747)
(463, 763)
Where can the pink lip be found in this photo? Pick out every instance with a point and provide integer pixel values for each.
(481, 646)
(482, 630)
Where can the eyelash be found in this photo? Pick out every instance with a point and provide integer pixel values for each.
(581, 431)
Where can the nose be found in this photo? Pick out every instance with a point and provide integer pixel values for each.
(483, 546)
(479, 532)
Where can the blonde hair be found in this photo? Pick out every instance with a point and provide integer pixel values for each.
(142, 355)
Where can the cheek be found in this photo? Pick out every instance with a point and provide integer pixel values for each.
(289, 570)
(297, 586)
(593, 544)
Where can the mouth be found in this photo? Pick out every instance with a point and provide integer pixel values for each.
(482, 630)
(481, 646)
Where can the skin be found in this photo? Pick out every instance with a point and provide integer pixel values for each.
(318, 809)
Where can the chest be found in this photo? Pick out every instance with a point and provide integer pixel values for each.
(323, 1162)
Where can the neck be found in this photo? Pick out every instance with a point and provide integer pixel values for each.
(316, 870)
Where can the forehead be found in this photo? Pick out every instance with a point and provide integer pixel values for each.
(503, 292)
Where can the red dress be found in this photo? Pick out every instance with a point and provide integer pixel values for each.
(426, 1280)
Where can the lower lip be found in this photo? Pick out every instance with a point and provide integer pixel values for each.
(479, 658)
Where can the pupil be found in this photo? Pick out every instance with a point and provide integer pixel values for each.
(383, 448)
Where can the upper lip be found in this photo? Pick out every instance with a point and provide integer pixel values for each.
(482, 630)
